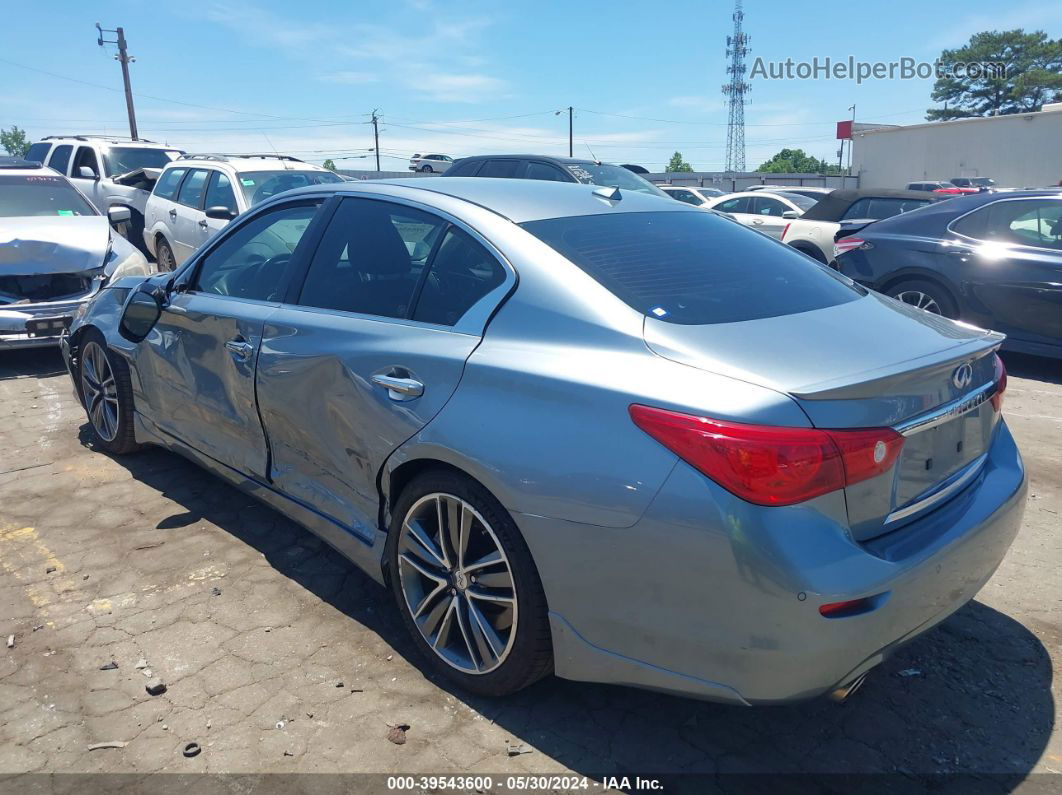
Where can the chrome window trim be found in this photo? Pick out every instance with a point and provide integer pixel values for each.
(958, 481)
(948, 411)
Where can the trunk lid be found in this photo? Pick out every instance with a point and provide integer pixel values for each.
(869, 363)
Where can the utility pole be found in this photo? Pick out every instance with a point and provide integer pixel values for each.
(851, 143)
(376, 137)
(570, 154)
(124, 59)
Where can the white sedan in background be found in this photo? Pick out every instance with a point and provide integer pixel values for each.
(765, 211)
(690, 194)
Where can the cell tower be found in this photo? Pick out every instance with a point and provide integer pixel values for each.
(736, 50)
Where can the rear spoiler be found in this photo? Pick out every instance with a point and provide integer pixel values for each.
(852, 226)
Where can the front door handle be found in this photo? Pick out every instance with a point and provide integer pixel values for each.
(173, 214)
(203, 224)
(241, 348)
(757, 221)
(398, 388)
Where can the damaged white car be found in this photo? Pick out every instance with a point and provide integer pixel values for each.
(56, 252)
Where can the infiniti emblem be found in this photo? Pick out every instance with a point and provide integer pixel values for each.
(963, 375)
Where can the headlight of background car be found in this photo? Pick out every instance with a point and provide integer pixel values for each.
(132, 264)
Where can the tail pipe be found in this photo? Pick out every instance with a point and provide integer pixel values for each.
(844, 691)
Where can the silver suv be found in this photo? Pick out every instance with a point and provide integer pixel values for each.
(196, 195)
(110, 171)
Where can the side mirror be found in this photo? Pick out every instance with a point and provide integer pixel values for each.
(87, 173)
(141, 313)
(118, 215)
(220, 213)
(789, 215)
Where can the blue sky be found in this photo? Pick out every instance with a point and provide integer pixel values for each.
(465, 76)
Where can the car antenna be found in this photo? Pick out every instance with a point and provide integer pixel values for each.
(592, 155)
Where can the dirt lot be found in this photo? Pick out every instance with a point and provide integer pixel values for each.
(281, 657)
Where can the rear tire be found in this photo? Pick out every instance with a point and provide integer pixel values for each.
(106, 394)
(164, 255)
(925, 295)
(483, 626)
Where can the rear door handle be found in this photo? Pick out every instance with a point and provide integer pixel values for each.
(398, 388)
(757, 221)
(240, 348)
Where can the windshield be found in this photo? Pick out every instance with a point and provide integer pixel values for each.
(40, 195)
(803, 202)
(258, 186)
(612, 177)
(983, 182)
(120, 160)
(691, 267)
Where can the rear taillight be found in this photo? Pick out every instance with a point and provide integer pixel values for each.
(769, 465)
(784, 230)
(846, 244)
(1001, 384)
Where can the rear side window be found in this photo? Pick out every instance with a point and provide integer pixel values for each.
(881, 208)
(499, 168)
(37, 152)
(166, 187)
(462, 272)
(60, 158)
(464, 168)
(693, 268)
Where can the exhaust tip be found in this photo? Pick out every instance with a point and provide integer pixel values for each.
(842, 693)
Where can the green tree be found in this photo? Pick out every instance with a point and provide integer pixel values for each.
(1031, 78)
(14, 141)
(329, 164)
(678, 164)
(796, 161)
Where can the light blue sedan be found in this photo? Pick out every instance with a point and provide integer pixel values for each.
(576, 429)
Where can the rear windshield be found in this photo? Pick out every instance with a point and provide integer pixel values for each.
(123, 159)
(693, 268)
(258, 186)
(40, 195)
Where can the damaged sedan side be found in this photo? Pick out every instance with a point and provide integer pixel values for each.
(56, 252)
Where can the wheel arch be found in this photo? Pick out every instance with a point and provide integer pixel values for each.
(810, 249)
(920, 274)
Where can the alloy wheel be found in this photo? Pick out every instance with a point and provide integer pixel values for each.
(919, 300)
(100, 391)
(457, 583)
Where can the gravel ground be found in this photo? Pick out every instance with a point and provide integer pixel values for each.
(279, 656)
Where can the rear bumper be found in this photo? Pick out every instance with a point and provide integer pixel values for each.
(712, 597)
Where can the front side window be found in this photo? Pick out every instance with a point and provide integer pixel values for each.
(464, 168)
(41, 195)
(684, 196)
(693, 268)
(252, 261)
(738, 205)
(191, 193)
(166, 187)
(462, 272)
(370, 258)
(60, 158)
(86, 158)
(545, 171)
(219, 193)
(763, 205)
(877, 209)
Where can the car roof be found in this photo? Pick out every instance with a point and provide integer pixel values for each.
(106, 140)
(832, 206)
(519, 200)
(264, 162)
(549, 158)
(753, 193)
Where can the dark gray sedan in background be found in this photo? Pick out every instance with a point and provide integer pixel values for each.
(991, 259)
(578, 429)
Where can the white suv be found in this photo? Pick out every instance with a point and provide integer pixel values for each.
(110, 171)
(196, 195)
(430, 163)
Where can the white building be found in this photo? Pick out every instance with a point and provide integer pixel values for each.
(1019, 151)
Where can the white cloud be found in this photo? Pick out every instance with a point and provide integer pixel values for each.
(1030, 16)
(349, 77)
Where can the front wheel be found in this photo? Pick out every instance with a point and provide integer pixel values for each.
(427, 169)
(106, 394)
(466, 586)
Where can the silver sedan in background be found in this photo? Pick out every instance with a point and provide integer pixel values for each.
(578, 429)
